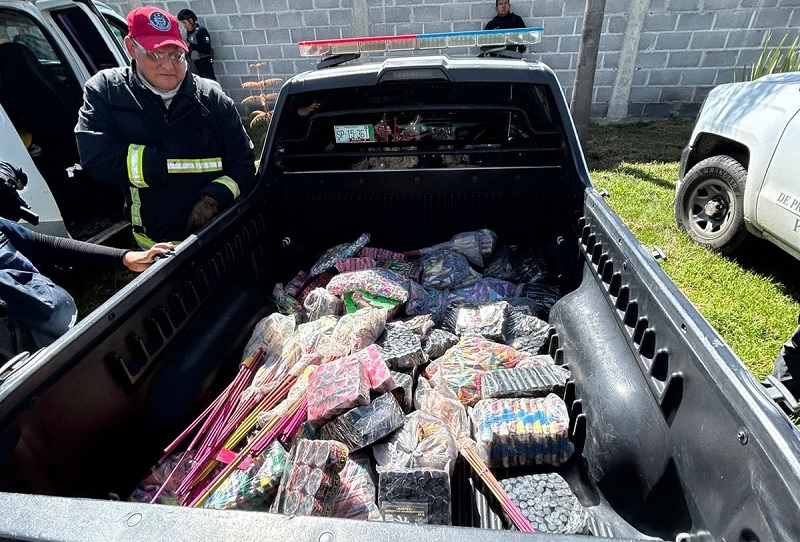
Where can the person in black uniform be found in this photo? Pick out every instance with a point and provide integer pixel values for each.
(505, 20)
(200, 51)
(173, 140)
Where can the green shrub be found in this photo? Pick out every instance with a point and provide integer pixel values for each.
(773, 59)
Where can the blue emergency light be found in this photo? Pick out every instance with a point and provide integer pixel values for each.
(411, 42)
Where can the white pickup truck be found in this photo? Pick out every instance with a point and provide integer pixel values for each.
(738, 175)
(47, 52)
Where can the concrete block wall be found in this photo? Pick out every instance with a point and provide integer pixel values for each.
(685, 47)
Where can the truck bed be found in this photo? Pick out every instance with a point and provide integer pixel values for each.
(673, 438)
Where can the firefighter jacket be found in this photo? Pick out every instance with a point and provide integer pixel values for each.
(164, 158)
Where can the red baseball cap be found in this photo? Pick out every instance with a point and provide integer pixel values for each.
(153, 28)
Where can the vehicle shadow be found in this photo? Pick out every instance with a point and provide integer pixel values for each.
(608, 146)
(765, 259)
(644, 176)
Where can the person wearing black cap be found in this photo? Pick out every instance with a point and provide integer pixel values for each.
(173, 140)
(200, 51)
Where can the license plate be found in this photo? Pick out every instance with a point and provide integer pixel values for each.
(354, 134)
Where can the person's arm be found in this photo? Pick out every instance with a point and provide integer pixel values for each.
(53, 250)
(203, 42)
(237, 157)
(106, 158)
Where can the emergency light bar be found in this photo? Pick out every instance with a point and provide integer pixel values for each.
(410, 42)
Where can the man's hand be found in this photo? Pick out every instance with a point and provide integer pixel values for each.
(202, 213)
(139, 260)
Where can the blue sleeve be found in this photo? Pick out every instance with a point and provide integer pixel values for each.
(20, 236)
(36, 302)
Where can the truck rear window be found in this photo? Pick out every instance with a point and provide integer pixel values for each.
(400, 126)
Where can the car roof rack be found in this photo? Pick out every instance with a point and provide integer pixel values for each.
(492, 42)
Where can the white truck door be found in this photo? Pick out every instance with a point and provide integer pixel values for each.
(37, 194)
(48, 50)
(778, 203)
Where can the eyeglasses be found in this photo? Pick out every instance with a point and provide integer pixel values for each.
(175, 58)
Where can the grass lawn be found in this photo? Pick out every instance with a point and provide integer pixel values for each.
(751, 300)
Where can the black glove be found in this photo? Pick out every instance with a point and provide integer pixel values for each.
(202, 213)
(12, 206)
(11, 178)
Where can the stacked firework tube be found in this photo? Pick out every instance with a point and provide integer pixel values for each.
(548, 503)
(383, 369)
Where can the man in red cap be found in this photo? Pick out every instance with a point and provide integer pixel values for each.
(173, 140)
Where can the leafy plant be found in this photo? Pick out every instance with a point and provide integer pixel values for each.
(774, 59)
(262, 115)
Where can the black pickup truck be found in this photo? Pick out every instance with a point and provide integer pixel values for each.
(673, 438)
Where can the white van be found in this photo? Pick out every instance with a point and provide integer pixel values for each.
(48, 50)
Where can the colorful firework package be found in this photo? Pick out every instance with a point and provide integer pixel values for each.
(356, 496)
(457, 373)
(381, 255)
(378, 373)
(448, 410)
(359, 300)
(255, 487)
(269, 335)
(319, 303)
(423, 441)
(335, 388)
(414, 495)
(402, 348)
(295, 286)
(356, 331)
(377, 282)
(365, 425)
(332, 255)
(354, 264)
(525, 382)
(312, 480)
(524, 431)
(314, 334)
(446, 269)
